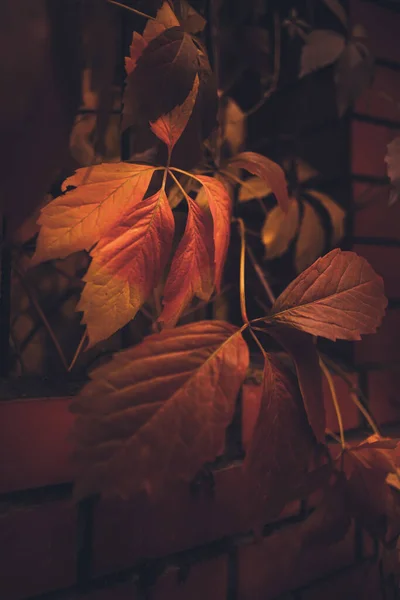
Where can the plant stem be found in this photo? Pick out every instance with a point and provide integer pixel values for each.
(242, 284)
(134, 10)
(178, 183)
(77, 352)
(365, 413)
(261, 276)
(329, 379)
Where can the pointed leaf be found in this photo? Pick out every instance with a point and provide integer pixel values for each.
(354, 74)
(266, 169)
(158, 411)
(311, 241)
(220, 206)
(77, 220)
(322, 48)
(127, 265)
(252, 188)
(336, 213)
(169, 127)
(280, 229)
(192, 268)
(281, 447)
(339, 297)
(305, 357)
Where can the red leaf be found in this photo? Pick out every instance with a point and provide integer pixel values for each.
(170, 127)
(127, 265)
(192, 269)
(339, 297)
(221, 209)
(281, 449)
(158, 411)
(304, 354)
(266, 169)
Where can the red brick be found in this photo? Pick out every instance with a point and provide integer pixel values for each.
(376, 101)
(369, 144)
(127, 531)
(349, 411)
(38, 549)
(360, 582)
(382, 26)
(281, 563)
(33, 437)
(251, 400)
(383, 346)
(383, 394)
(377, 218)
(205, 580)
(386, 262)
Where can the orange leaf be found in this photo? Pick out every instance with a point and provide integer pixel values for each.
(158, 411)
(339, 297)
(170, 127)
(192, 269)
(77, 220)
(127, 265)
(282, 444)
(266, 169)
(221, 209)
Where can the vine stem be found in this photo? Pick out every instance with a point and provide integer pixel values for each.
(329, 379)
(77, 352)
(261, 276)
(242, 288)
(131, 9)
(365, 413)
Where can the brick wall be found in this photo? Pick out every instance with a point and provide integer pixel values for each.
(195, 543)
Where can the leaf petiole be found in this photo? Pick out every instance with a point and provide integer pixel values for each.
(332, 389)
(134, 10)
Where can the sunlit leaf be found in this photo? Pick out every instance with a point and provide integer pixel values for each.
(77, 220)
(311, 240)
(220, 205)
(339, 297)
(268, 171)
(322, 48)
(353, 75)
(282, 444)
(169, 127)
(279, 229)
(126, 266)
(336, 213)
(192, 269)
(252, 188)
(158, 411)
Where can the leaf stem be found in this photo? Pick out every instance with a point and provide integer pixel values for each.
(178, 183)
(329, 379)
(242, 232)
(134, 10)
(261, 276)
(77, 352)
(365, 413)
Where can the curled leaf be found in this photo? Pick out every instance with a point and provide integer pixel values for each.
(339, 297)
(311, 240)
(279, 229)
(270, 172)
(336, 213)
(158, 411)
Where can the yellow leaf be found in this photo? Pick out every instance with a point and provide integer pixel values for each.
(77, 220)
(252, 188)
(336, 214)
(311, 240)
(235, 126)
(279, 229)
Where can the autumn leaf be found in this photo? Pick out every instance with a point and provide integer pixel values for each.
(303, 352)
(268, 171)
(192, 269)
(279, 229)
(126, 266)
(252, 188)
(353, 75)
(221, 209)
(339, 297)
(311, 240)
(158, 411)
(282, 444)
(336, 214)
(77, 220)
(392, 159)
(169, 127)
(322, 48)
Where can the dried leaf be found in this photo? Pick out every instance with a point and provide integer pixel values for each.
(305, 357)
(279, 229)
(338, 10)
(252, 188)
(170, 127)
(192, 269)
(353, 75)
(322, 48)
(77, 220)
(282, 443)
(158, 411)
(339, 297)
(392, 159)
(336, 213)
(220, 206)
(268, 171)
(127, 265)
(311, 240)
